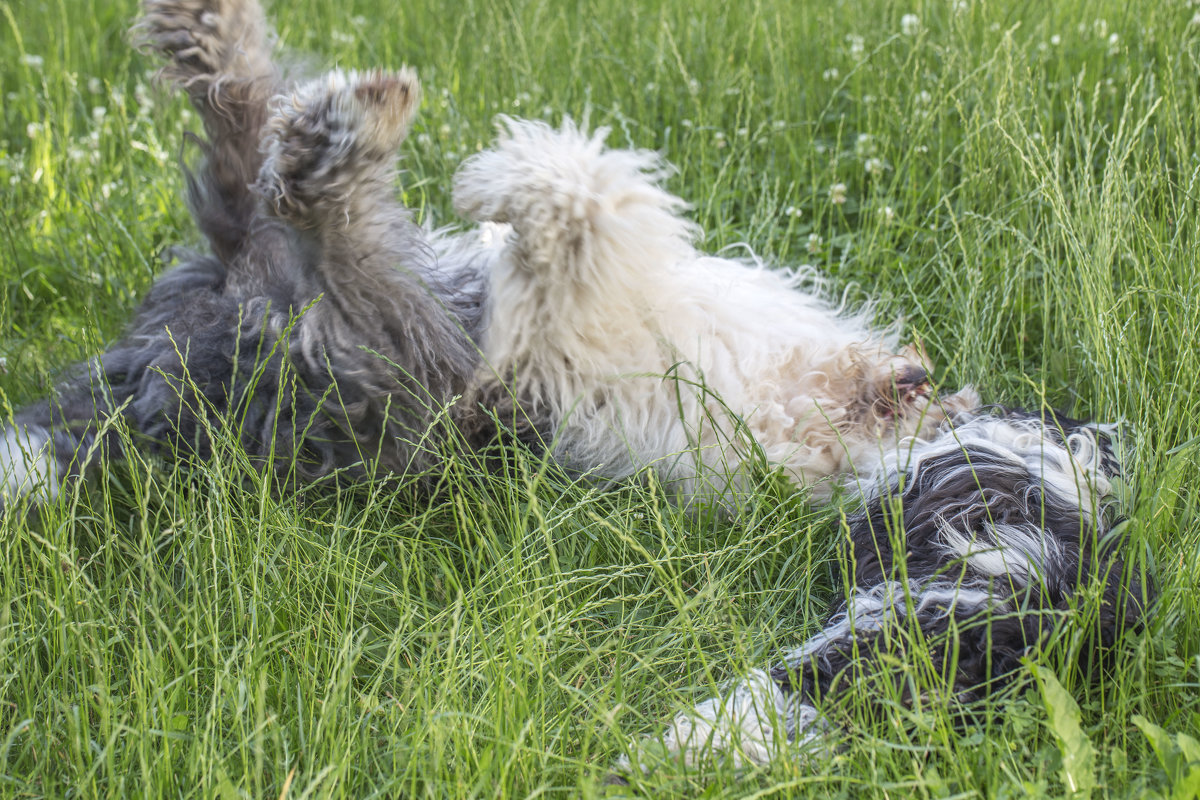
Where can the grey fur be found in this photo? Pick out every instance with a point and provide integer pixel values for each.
(325, 327)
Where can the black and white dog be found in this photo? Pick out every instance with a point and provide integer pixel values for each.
(972, 547)
(332, 332)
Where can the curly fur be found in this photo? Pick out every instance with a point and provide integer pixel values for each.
(627, 348)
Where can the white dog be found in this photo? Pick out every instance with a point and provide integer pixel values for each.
(622, 346)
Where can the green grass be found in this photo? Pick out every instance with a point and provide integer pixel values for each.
(188, 633)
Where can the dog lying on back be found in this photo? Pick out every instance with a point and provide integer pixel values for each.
(973, 548)
(324, 325)
(332, 331)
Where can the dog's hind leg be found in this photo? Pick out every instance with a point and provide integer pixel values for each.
(970, 639)
(220, 52)
(583, 216)
(383, 326)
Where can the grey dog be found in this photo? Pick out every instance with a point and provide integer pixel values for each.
(323, 325)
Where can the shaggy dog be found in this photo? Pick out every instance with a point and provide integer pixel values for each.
(331, 332)
(613, 339)
(325, 327)
(981, 530)
(972, 548)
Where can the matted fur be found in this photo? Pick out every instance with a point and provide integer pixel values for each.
(974, 545)
(326, 327)
(627, 348)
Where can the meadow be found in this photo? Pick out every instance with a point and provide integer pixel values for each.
(1015, 182)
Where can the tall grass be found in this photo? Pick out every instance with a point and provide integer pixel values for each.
(1031, 218)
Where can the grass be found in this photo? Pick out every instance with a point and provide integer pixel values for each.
(1031, 219)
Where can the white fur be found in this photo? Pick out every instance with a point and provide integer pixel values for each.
(749, 724)
(642, 351)
(27, 467)
(1020, 552)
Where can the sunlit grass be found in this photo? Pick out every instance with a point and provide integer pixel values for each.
(1016, 182)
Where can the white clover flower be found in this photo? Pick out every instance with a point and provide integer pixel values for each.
(33, 129)
(922, 149)
(686, 123)
(924, 98)
(874, 167)
(743, 132)
(693, 86)
(888, 214)
(910, 24)
(32, 61)
(830, 74)
(1100, 27)
(1195, 20)
(961, 6)
(341, 38)
(1056, 40)
(857, 44)
(814, 243)
(837, 193)
(864, 145)
(792, 211)
(98, 113)
(1113, 44)
(358, 21)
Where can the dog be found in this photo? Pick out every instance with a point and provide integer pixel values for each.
(333, 334)
(334, 331)
(981, 530)
(615, 341)
(323, 326)
(974, 547)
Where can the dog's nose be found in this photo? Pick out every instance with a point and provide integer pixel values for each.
(911, 377)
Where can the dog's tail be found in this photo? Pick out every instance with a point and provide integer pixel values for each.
(220, 52)
(580, 212)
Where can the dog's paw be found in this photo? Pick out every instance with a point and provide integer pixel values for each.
(334, 137)
(901, 387)
(27, 466)
(205, 41)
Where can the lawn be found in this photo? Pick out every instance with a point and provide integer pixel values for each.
(1014, 183)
